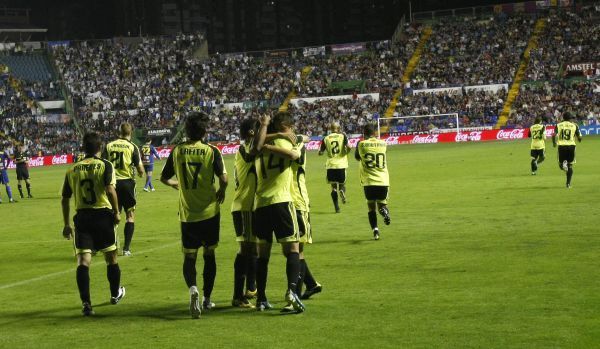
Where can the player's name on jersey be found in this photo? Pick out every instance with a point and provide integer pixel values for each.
(118, 145)
(86, 167)
(192, 151)
(371, 144)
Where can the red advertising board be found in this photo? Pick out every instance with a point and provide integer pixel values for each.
(450, 137)
(49, 160)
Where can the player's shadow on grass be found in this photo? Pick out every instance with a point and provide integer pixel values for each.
(348, 242)
(42, 198)
(318, 213)
(167, 312)
(538, 188)
(61, 315)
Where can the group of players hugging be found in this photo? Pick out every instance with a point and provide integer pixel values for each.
(270, 198)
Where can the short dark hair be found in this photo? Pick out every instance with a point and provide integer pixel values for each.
(368, 130)
(538, 119)
(125, 129)
(196, 125)
(280, 120)
(92, 143)
(247, 126)
(567, 116)
(148, 140)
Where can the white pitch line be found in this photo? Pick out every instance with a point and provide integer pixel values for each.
(51, 275)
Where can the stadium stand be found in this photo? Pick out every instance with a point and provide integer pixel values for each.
(473, 51)
(549, 99)
(152, 82)
(569, 36)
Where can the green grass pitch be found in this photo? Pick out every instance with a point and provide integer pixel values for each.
(480, 254)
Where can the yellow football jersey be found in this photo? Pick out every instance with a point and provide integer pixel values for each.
(124, 156)
(373, 165)
(335, 146)
(87, 181)
(195, 164)
(566, 132)
(244, 174)
(537, 133)
(274, 176)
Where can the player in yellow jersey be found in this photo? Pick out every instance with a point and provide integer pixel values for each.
(302, 205)
(91, 182)
(274, 211)
(537, 133)
(195, 165)
(241, 209)
(337, 148)
(564, 136)
(374, 177)
(125, 156)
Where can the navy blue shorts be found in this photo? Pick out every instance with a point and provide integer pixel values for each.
(149, 167)
(3, 177)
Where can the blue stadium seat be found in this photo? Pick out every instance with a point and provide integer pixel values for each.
(31, 67)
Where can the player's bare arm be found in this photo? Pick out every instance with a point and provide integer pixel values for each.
(259, 138)
(140, 169)
(222, 187)
(285, 153)
(67, 229)
(282, 135)
(173, 183)
(322, 148)
(114, 202)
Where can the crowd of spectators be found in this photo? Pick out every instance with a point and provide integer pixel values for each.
(380, 67)
(146, 83)
(42, 137)
(475, 108)
(568, 37)
(470, 51)
(21, 121)
(243, 78)
(550, 99)
(312, 119)
(42, 90)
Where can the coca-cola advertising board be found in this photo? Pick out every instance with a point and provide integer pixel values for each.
(49, 160)
(449, 137)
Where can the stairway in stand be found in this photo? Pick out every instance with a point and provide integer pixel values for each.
(413, 62)
(513, 92)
